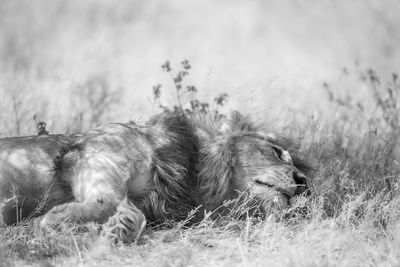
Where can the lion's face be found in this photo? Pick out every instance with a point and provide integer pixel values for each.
(238, 157)
(267, 171)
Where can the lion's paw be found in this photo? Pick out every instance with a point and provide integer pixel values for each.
(126, 225)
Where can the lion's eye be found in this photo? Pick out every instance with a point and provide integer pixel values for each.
(281, 154)
(278, 152)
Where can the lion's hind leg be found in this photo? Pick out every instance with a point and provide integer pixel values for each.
(126, 225)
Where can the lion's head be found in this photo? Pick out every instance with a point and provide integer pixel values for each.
(237, 156)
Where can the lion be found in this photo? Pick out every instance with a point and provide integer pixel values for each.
(124, 176)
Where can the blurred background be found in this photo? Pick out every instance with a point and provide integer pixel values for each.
(78, 63)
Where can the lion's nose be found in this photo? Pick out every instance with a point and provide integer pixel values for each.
(301, 182)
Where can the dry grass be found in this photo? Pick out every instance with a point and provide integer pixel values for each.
(352, 218)
(317, 241)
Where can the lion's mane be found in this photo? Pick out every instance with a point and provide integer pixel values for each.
(174, 163)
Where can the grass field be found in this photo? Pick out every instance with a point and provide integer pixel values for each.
(302, 69)
(351, 219)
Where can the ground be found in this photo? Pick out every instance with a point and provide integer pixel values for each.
(246, 243)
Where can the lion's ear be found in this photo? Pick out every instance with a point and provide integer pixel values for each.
(236, 116)
(233, 123)
(241, 123)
